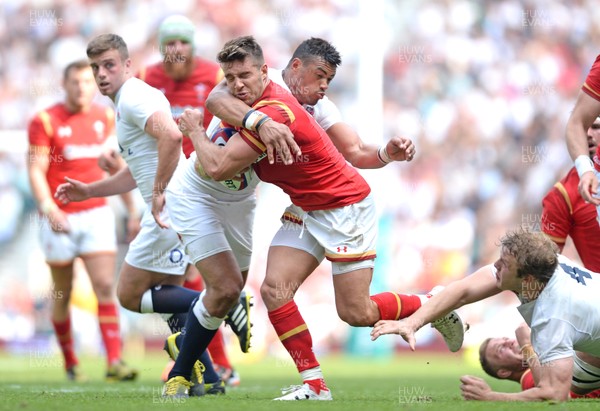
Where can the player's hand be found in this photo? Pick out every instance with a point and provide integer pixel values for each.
(158, 204)
(58, 221)
(190, 121)
(279, 139)
(109, 162)
(474, 388)
(400, 149)
(72, 190)
(588, 187)
(403, 328)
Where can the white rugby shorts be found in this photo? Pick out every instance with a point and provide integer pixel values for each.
(346, 236)
(209, 226)
(157, 249)
(91, 231)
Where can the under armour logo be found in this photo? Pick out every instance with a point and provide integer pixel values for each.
(342, 249)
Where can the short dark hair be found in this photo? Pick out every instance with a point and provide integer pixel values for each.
(75, 65)
(316, 48)
(535, 252)
(240, 48)
(105, 42)
(485, 364)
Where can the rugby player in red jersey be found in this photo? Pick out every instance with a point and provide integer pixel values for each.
(67, 139)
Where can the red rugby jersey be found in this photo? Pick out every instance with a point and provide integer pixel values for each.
(321, 178)
(565, 213)
(74, 141)
(189, 93)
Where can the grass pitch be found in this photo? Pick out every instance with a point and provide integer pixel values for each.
(408, 381)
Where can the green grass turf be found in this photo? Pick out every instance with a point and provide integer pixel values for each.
(408, 381)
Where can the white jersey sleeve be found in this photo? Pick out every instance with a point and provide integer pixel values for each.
(564, 316)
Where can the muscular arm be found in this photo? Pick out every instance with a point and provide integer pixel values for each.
(554, 384)
(218, 163)
(119, 183)
(475, 287)
(362, 155)
(161, 126)
(582, 117)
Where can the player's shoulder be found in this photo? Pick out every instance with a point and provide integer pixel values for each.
(48, 113)
(567, 187)
(136, 89)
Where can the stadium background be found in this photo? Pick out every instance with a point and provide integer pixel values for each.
(484, 89)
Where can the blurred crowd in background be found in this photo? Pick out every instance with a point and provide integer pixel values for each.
(483, 88)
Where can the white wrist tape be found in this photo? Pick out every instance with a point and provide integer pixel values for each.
(383, 155)
(583, 164)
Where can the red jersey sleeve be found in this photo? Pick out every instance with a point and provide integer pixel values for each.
(278, 111)
(40, 130)
(557, 214)
(527, 381)
(592, 83)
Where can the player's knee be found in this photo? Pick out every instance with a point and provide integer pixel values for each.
(103, 291)
(128, 300)
(355, 318)
(270, 294)
(223, 297)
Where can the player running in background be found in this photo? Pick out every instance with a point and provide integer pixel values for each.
(295, 252)
(566, 214)
(508, 359)
(67, 139)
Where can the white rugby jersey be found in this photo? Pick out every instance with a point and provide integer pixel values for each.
(566, 315)
(135, 102)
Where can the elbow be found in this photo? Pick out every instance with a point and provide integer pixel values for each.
(555, 394)
(219, 174)
(211, 104)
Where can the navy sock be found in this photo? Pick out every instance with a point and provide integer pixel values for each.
(172, 299)
(177, 322)
(192, 342)
(210, 375)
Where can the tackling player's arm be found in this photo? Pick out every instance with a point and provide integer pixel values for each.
(554, 384)
(582, 117)
(362, 155)
(475, 287)
(218, 163)
(276, 136)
